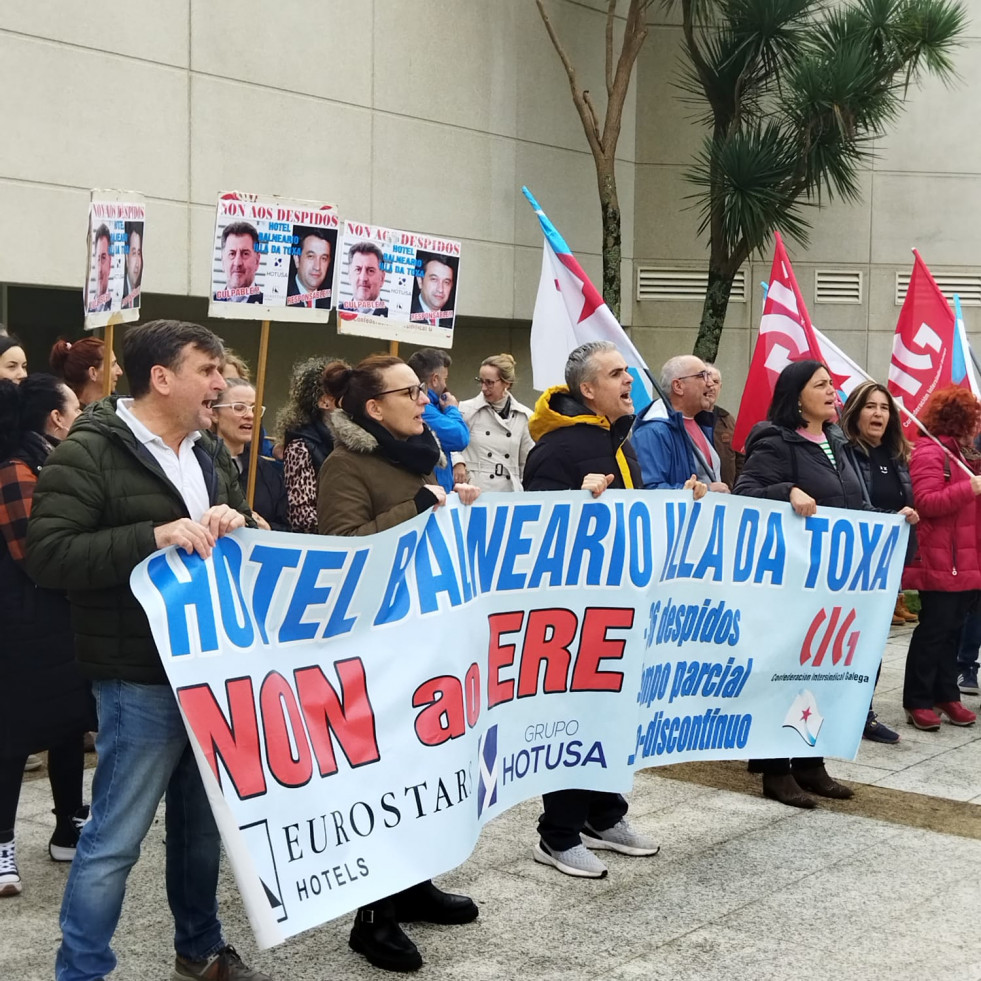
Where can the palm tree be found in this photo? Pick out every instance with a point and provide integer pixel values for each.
(794, 93)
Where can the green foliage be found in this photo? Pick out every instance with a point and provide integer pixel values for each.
(794, 94)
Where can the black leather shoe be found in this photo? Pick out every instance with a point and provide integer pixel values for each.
(382, 941)
(426, 903)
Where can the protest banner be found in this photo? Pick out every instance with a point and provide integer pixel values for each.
(397, 286)
(114, 264)
(273, 259)
(360, 707)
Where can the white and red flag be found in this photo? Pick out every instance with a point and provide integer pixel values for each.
(786, 335)
(923, 348)
(569, 311)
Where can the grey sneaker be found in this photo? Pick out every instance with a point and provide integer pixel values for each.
(577, 860)
(226, 965)
(968, 682)
(620, 838)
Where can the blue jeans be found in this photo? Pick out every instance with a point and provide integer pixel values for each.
(967, 654)
(143, 753)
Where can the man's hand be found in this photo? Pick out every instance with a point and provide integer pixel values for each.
(185, 534)
(460, 473)
(467, 493)
(911, 516)
(803, 504)
(697, 488)
(221, 519)
(448, 398)
(596, 483)
(719, 487)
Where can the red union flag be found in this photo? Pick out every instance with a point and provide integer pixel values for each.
(786, 335)
(922, 350)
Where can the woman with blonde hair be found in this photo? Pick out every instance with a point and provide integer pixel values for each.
(500, 442)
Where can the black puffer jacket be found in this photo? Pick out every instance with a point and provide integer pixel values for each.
(778, 459)
(46, 699)
(572, 442)
(98, 499)
(862, 463)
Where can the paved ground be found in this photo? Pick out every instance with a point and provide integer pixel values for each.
(743, 888)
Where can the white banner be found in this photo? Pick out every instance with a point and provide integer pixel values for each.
(361, 706)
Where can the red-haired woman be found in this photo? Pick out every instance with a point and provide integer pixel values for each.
(81, 364)
(947, 567)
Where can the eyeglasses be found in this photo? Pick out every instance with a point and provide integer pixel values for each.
(413, 391)
(704, 375)
(487, 381)
(240, 408)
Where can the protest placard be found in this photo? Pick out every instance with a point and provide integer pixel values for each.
(114, 263)
(397, 286)
(273, 259)
(360, 707)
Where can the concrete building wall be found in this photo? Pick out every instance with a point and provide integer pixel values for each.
(427, 115)
(922, 189)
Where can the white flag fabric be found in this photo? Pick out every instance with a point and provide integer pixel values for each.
(568, 312)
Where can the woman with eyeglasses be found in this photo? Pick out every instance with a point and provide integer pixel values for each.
(236, 419)
(500, 442)
(380, 474)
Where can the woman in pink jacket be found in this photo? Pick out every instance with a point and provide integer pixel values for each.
(947, 566)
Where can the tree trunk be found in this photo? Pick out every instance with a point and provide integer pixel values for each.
(610, 210)
(713, 312)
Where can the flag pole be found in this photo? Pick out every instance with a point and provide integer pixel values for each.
(926, 432)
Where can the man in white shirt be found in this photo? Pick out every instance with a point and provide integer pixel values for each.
(135, 476)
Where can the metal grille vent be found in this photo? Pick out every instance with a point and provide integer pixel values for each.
(966, 286)
(838, 286)
(654, 283)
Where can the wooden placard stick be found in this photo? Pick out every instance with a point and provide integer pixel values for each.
(260, 386)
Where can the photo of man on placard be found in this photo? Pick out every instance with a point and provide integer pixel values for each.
(311, 272)
(240, 259)
(434, 292)
(365, 273)
(133, 266)
(101, 263)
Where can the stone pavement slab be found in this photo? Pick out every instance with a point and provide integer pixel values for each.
(744, 888)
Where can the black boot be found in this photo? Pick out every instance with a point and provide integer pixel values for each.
(784, 788)
(818, 781)
(426, 903)
(377, 934)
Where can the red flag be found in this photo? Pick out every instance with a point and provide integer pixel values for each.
(923, 348)
(786, 335)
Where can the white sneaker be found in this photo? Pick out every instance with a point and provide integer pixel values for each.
(33, 762)
(10, 884)
(620, 838)
(577, 861)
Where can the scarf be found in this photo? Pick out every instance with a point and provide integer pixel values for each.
(417, 454)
